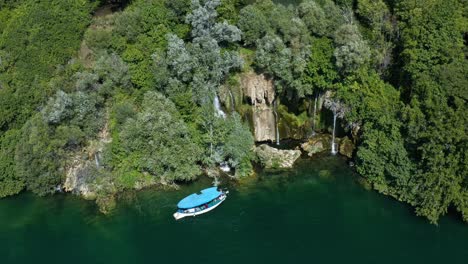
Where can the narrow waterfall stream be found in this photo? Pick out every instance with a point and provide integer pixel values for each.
(96, 159)
(217, 106)
(233, 108)
(334, 148)
(314, 115)
(276, 123)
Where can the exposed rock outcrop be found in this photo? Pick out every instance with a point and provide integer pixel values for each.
(275, 158)
(317, 144)
(322, 142)
(83, 169)
(76, 179)
(346, 147)
(259, 92)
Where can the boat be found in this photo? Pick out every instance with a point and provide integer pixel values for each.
(200, 203)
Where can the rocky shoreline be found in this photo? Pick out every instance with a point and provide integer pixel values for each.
(255, 98)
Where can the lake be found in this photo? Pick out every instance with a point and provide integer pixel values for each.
(314, 213)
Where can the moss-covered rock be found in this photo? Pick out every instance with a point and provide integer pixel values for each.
(272, 158)
(293, 126)
(346, 147)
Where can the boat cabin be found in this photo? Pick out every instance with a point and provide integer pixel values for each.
(199, 203)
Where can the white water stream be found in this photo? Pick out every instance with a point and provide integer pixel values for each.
(334, 147)
(276, 123)
(313, 116)
(217, 106)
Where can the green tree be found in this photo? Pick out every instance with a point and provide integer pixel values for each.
(157, 141)
(321, 17)
(38, 159)
(320, 73)
(352, 51)
(253, 24)
(10, 182)
(380, 28)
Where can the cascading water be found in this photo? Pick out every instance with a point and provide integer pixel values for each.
(313, 116)
(96, 159)
(217, 106)
(232, 101)
(334, 148)
(338, 110)
(224, 166)
(276, 123)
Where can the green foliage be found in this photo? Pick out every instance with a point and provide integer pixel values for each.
(321, 17)
(283, 40)
(431, 34)
(421, 160)
(273, 56)
(198, 67)
(237, 145)
(10, 182)
(38, 36)
(37, 156)
(253, 24)
(352, 52)
(228, 10)
(51, 135)
(157, 142)
(140, 31)
(320, 73)
(411, 143)
(380, 30)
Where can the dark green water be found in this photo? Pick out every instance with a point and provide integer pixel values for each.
(301, 215)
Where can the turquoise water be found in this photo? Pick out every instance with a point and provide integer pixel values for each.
(314, 213)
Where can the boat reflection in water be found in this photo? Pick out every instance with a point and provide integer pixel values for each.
(200, 203)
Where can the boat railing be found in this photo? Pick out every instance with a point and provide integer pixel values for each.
(204, 206)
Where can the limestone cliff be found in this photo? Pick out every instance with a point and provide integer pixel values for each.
(259, 92)
(82, 170)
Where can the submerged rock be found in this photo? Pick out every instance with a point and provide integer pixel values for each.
(272, 158)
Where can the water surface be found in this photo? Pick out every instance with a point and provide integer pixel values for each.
(314, 213)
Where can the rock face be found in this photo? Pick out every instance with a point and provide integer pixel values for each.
(275, 158)
(346, 147)
(322, 142)
(260, 94)
(83, 168)
(77, 178)
(317, 144)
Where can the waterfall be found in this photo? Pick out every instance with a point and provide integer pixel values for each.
(217, 106)
(224, 166)
(211, 141)
(216, 181)
(338, 110)
(276, 123)
(334, 149)
(313, 116)
(232, 101)
(96, 159)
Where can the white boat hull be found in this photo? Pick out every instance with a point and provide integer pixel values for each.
(178, 215)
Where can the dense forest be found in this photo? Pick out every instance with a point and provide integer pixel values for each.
(131, 91)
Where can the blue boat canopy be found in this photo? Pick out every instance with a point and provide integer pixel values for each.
(197, 199)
